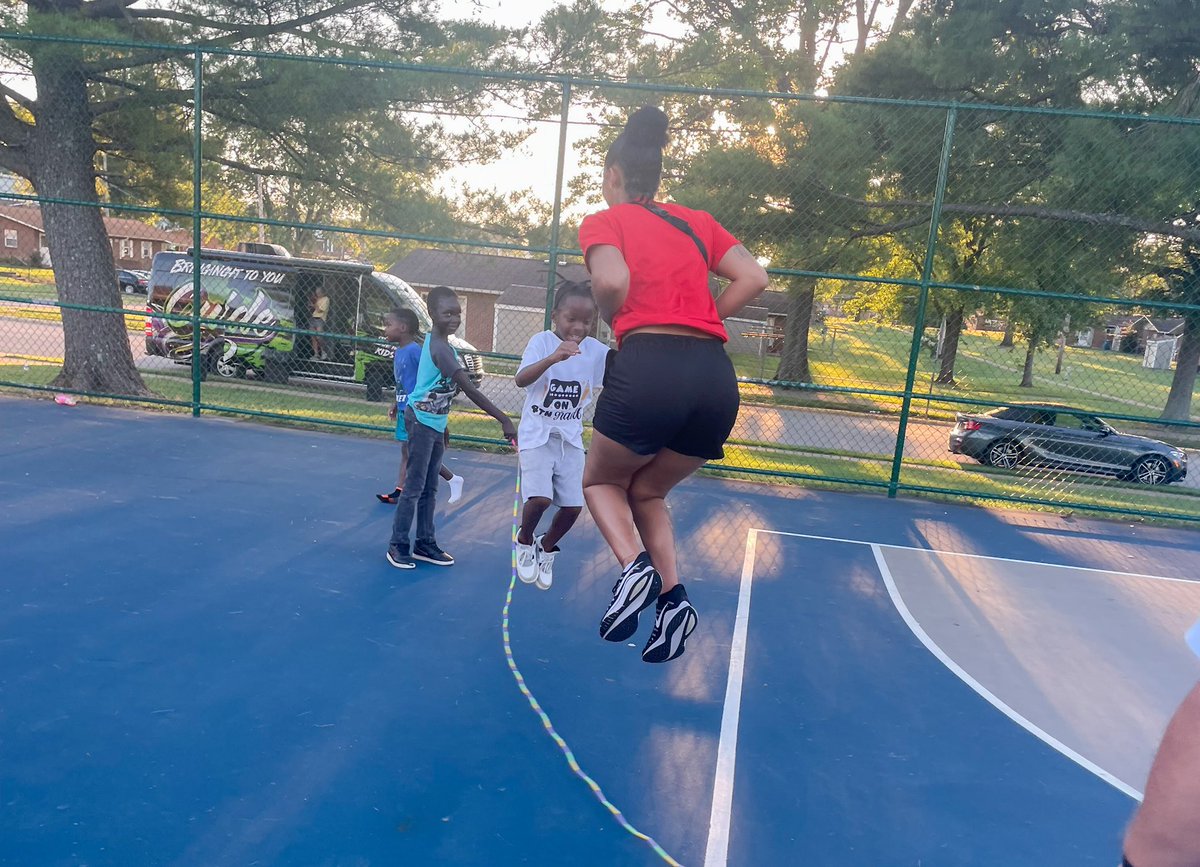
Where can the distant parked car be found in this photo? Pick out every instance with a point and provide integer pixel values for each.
(1063, 438)
(133, 281)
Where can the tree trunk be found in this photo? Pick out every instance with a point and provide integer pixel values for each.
(96, 351)
(954, 324)
(793, 361)
(1027, 374)
(1179, 401)
(1007, 339)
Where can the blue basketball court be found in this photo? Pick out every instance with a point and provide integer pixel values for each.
(206, 660)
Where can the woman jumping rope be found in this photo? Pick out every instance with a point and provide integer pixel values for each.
(670, 394)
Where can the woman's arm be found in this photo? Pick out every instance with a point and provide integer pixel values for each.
(610, 279)
(747, 279)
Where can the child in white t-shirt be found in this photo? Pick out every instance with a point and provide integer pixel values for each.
(561, 371)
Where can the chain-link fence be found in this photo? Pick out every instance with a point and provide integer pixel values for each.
(973, 301)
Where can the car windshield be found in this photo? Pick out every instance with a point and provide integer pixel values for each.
(408, 296)
(1090, 422)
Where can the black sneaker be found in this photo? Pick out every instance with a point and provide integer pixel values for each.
(637, 588)
(432, 554)
(673, 623)
(400, 558)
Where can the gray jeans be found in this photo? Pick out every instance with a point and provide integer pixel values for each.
(426, 447)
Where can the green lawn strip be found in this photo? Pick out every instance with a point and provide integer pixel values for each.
(871, 356)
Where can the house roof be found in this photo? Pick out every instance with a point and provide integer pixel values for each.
(533, 297)
(1162, 326)
(481, 272)
(1167, 326)
(1124, 321)
(23, 214)
(118, 227)
(520, 282)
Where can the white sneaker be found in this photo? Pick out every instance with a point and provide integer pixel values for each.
(527, 562)
(456, 486)
(545, 565)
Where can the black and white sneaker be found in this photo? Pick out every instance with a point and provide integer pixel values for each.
(637, 588)
(432, 554)
(673, 623)
(400, 558)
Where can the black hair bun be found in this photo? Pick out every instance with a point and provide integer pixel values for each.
(647, 126)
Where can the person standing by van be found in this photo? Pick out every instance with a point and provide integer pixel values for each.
(440, 376)
(670, 394)
(402, 328)
(316, 322)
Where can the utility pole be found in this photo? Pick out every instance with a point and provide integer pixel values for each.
(1062, 344)
(262, 230)
(104, 176)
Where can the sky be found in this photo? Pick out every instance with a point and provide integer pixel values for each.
(533, 164)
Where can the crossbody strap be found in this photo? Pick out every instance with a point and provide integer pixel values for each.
(678, 223)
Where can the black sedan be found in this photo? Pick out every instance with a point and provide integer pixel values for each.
(1062, 438)
(133, 281)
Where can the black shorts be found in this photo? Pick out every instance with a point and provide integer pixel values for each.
(666, 391)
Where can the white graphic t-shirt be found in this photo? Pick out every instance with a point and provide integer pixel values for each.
(556, 401)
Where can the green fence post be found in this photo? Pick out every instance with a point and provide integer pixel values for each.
(197, 76)
(552, 274)
(923, 298)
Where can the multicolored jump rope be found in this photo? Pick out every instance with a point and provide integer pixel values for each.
(537, 708)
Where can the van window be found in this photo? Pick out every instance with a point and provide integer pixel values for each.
(408, 297)
(373, 306)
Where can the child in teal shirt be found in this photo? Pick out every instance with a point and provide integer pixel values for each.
(440, 376)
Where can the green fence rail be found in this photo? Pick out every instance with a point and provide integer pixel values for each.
(957, 310)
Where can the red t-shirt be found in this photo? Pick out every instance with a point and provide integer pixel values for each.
(668, 279)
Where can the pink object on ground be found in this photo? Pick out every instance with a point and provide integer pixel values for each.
(64, 400)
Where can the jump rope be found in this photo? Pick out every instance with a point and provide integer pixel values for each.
(572, 763)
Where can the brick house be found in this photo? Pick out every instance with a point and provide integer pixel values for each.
(1129, 333)
(134, 243)
(491, 321)
(504, 299)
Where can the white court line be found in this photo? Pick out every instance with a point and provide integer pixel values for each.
(977, 556)
(983, 691)
(717, 852)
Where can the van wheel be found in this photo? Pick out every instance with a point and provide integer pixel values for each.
(217, 363)
(275, 368)
(375, 378)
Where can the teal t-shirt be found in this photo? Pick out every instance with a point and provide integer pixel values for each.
(435, 389)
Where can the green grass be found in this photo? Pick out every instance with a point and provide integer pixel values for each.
(871, 356)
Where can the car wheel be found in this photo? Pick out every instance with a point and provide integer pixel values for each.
(1005, 454)
(1151, 470)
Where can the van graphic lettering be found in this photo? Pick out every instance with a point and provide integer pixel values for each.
(216, 269)
(241, 316)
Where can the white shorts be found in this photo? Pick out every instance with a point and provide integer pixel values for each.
(553, 470)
